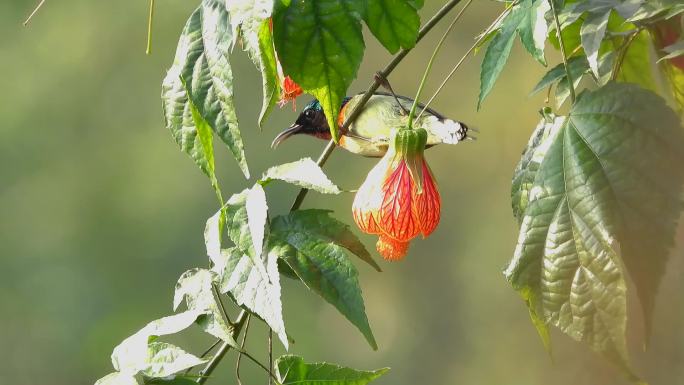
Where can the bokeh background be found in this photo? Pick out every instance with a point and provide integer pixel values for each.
(100, 213)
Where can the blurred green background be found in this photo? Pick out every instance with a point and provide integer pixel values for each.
(100, 213)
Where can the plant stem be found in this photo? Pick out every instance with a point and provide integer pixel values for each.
(211, 365)
(148, 50)
(330, 147)
(440, 43)
(35, 10)
(622, 52)
(270, 356)
(242, 348)
(562, 49)
(479, 40)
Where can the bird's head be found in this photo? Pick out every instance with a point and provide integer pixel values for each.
(311, 121)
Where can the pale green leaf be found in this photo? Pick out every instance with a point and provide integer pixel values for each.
(117, 378)
(394, 23)
(584, 192)
(592, 33)
(673, 50)
(254, 284)
(303, 173)
(320, 45)
(202, 62)
(196, 287)
(293, 370)
(257, 215)
(138, 353)
(212, 236)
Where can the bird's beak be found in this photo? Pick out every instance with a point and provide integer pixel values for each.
(292, 130)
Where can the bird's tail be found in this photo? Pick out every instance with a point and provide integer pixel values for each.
(449, 131)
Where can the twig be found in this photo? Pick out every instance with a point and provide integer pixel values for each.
(423, 80)
(271, 376)
(211, 365)
(242, 348)
(330, 147)
(35, 10)
(270, 355)
(562, 49)
(150, 17)
(472, 48)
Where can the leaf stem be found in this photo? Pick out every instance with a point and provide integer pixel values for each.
(330, 147)
(211, 365)
(242, 348)
(150, 17)
(35, 10)
(479, 40)
(622, 52)
(440, 43)
(561, 43)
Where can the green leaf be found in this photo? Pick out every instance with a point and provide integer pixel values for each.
(578, 66)
(325, 269)
(172, 381)
(584, 192)
(206, 139)
(321, 225)
(254, 284)
(675, 82)
(592, 33)
(293, 370)
(140, 354)
(320, 45)
(394, 23)
(237, 224)
(257, 216)
(636, 65)
(526, 19)
(212, 236)
(673, 50)
(202, 62)
(303, 173)
(196, 287)
(117, 378)
(250, 19)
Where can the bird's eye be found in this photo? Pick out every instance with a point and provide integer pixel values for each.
(309, 114)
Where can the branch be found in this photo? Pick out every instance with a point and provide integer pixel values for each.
(206, 372)
(562, 49)
(374, 87)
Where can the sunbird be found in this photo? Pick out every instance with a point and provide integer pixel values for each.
(369, 134)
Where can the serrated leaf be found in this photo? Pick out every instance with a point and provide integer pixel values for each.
(293, 370)
(254, 284)
(321, 225)
(578, 65)
(257, 215)
(195, 286)
(592, 33)
(212, 236)
(394, 23)
(117, 378)
(320, 45)
(251, 19)
(202, 62)
(303, 173)
(673, 50)
(597, 180)
(237, 223)
(523, 19)
(138, 354)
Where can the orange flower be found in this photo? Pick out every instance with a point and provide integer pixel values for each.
(290, 92)
(399, 198)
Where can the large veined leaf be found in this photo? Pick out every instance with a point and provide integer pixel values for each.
(320, 224)
(201, 72)
(593, 194)
(394, 23)
(254, 284)
(526, 19)
(322, 266)
(140, 353)
(303, 173)
(293, 370)
(251, 20)
(320, 45)
(196, 287)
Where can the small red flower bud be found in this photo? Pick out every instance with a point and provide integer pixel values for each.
(291, 91)
(399, 198)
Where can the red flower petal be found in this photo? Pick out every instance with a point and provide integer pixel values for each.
(390, 249)
(396, 216)
(428, 203)
(291, 91)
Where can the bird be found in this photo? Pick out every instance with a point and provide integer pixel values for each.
(369, 133)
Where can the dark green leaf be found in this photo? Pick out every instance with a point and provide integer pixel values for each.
(325, 269)
(254, 284)
(578, 65)
(394, 23)
(585, 191)
(320, 45)
(251, 20)
(196, 287)
(140, 354)
(202, 62)
(303, 173)
(526, 19)
(293, 370)
(320, 224)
